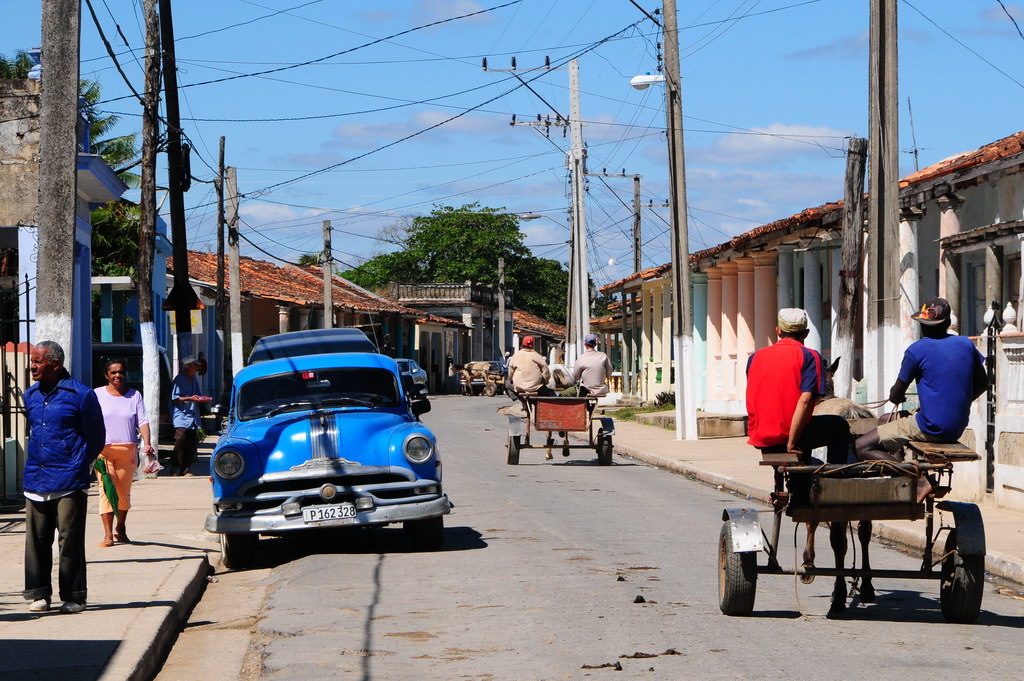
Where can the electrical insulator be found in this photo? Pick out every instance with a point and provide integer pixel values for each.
(485, 63)
(513, 62)
(547, 62)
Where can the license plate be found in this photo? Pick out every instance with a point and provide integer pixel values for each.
(318, 514)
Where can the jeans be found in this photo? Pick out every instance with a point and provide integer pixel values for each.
(66, 515)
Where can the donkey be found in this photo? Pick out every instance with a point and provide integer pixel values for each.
(847, 409)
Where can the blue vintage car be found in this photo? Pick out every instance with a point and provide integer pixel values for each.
(324, 441)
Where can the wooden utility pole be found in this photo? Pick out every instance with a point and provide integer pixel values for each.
(221, 313)
(682, 313)
(182, 298)
(501, 308)
(148, 218)
(58, 178)
(850, 273)
(637, 234)
(882, 342)
(231, 194)
(579, 281)
(328, 268)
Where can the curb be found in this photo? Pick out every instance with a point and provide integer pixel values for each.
(998, 564)
(155, 628)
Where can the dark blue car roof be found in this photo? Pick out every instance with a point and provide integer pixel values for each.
(311, 342)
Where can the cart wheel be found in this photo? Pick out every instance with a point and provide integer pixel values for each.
(490, 389)
(604, 449)
(513, 449)
(238, 551)
(963, 584)
(737, 576)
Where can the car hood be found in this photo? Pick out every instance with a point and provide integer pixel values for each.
(363, 437)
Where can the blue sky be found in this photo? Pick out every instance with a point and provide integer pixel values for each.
(771, 89)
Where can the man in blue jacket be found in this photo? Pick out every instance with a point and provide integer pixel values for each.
(65, 437)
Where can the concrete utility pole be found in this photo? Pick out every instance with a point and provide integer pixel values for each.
(222, 313)
(148, 217)
(882, 341)
(182, 298)
(579, 284)
(637, 234)
(682, 313)
(328, 269)
(58, 178)
(231, 192)
(501, 309)
(850, 273)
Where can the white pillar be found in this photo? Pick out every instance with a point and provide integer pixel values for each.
(282, 318)
(833, 296)
(714, 339)
(812, 298)
(729, 305)
(949, 224)
(765, 299)
(786, 298)
(910, 294)
(745, 312)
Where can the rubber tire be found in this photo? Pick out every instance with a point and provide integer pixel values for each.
(513, 450)
(737, 576)
(963, 584)
(427, 534)
(238, 551)
(604, 449)
(490, 389)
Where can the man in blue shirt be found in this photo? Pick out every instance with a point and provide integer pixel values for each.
(66, 435)
(950, 375)
(185, 399)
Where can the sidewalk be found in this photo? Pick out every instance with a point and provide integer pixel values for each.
(138, 593)
(733, 465)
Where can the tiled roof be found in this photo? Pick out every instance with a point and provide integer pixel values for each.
(527, 322)
(1008, 146)
(298, 286)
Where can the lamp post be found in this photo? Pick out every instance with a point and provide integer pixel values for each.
(682, 313)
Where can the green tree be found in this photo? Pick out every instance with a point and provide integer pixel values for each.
(16, 67)
(457, 244)
(115, 239)
(118, 152)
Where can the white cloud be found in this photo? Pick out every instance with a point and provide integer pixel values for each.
(428, 11)
(845, 47)
(777, 143)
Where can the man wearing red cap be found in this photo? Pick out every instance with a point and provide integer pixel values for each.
(528, 370)
(950, 375)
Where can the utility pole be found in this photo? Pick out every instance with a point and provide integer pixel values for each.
(148, 217)
(850, 272)
(682, 312)
(328, 269)
(882, 341)
(58, 176)
(579, 304)
(221, 298)
(501, 307)
(182, 299)
(637, 240)
(231, 191)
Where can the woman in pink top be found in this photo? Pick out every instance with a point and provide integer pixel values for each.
(124, 416)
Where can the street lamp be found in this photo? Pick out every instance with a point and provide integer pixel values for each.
(646, 80)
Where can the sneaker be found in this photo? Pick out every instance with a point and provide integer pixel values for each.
(71, 607)
(39, 605)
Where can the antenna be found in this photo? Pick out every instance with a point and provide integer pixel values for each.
(913, 137)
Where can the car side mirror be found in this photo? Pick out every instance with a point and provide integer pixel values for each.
(420, 407)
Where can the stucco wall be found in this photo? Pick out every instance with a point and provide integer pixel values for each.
(19, 152)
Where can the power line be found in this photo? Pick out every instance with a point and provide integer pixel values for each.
(1010, 17)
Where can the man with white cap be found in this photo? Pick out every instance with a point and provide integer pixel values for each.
(950, 375)
(185, 399)
(784, 382)
(591, 369)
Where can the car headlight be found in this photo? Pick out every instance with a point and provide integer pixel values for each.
(228, 464)
(418, 449)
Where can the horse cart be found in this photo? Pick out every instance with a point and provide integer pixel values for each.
(482, 378)
(548, 417)
(954, 551)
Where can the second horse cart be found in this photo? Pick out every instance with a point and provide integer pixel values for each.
(549, 417)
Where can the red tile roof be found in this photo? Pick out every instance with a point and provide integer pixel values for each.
(298, 286)
(524, 321)
(1008, 146)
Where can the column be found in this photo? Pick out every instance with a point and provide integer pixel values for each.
(994, 276)
(910, 289)
(282, 318)
(766, 306)
(949, 224)
(666, 337)
(634, 345)
(812, 298)
(786, 298)
(303, 319)
(744, 321)
(834, 292)
(729, 313)
(713, 390)
(700, 335)
(624, 348)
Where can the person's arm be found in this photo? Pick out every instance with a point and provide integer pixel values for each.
(177, 388)
(93, 427)
(544, 370)
(577, 371)
(898, 392)
(909, 371)
(980, 379)
(801, 415)
(143, 420)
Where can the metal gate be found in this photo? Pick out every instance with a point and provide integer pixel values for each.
(14, 375)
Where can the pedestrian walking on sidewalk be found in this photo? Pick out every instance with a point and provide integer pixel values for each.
(124, 418)
(66, 435)
(185, 399)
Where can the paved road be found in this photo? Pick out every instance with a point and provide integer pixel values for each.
(543, 567)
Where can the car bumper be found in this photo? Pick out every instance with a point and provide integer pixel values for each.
(381, 515)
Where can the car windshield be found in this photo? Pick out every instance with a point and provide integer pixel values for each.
(315, 389)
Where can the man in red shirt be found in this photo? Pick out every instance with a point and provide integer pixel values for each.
(784, 383)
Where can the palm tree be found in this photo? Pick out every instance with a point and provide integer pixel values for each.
(311, 259)
(15, 68)
(116, 152)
